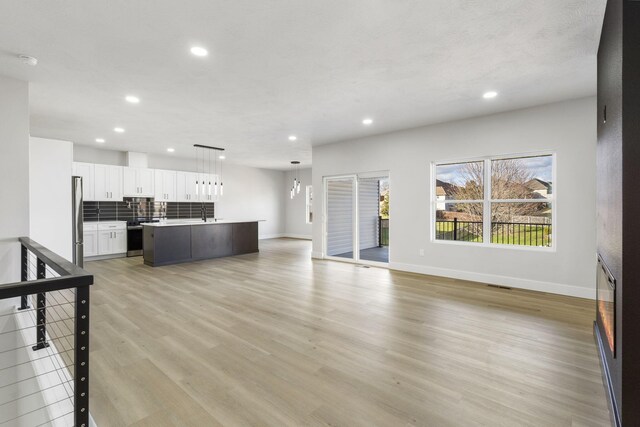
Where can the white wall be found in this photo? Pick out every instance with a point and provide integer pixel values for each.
(249, 193)
(296, 209)
(566, 128)
(14, 174)
(50, 163)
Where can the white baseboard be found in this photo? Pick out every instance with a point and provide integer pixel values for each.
(494, 279)
(103, 257)
(317, 255)
(298, 236)
(270, 236)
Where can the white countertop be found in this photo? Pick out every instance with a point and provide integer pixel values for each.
(177, 222)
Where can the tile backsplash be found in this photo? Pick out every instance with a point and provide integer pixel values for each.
(130, 210)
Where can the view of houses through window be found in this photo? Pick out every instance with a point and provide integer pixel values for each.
(498, 201)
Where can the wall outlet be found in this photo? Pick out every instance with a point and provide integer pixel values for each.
(421, 252)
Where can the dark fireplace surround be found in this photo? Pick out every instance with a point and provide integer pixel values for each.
(617, 324)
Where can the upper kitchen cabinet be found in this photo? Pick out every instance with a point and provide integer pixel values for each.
(187, 186)
(107, 183)
(165, 186)
(138, 182)
(86, 171)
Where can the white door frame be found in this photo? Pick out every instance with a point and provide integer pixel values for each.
(356, 217)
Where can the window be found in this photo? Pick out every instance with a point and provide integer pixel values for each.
(495, 201)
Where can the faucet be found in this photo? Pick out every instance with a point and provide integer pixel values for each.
(203, 211)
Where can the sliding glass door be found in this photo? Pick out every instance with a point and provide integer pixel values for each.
(373, 219)
(340, 218)
(357, 218)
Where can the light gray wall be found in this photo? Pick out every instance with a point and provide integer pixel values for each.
(14, 174)
(566, 128)
(296, 208)
(50, 164)
(249, 193)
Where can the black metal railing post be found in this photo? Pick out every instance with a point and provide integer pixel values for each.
(81, 350)
(41, 310)
(455, 228)
(24, 275)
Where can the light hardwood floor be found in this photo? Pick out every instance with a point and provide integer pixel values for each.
(276, 339)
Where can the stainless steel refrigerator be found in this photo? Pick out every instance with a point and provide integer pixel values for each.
(77, 214)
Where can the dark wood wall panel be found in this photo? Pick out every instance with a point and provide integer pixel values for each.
(631, 213)
(609, 168)
(618, 201)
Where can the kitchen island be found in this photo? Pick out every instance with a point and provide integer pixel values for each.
(174, 242)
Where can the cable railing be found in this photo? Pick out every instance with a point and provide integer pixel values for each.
(383, 231)
(44, 342)
(510, 233)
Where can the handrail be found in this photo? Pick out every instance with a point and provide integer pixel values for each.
(16, 289)
(62, 298)
(71, 276)
(57, 263)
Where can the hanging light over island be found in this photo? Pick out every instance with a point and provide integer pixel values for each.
(295, 189)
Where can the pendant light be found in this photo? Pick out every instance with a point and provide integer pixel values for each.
(220, 171)
(211, 186)
(295, 189)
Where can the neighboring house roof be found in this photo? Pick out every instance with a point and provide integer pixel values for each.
(444, 188)
(537, 184)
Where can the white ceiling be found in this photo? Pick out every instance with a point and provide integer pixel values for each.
(279, 67)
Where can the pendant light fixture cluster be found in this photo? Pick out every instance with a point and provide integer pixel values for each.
(209, 183)
(296, 178)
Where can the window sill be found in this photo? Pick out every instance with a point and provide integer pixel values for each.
(496, 246)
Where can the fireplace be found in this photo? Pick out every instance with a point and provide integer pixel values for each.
(606, 304)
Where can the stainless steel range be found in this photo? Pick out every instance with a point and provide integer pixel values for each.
(134, 236)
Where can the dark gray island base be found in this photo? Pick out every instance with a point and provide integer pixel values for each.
(165, 244)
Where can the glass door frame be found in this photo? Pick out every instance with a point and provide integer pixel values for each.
(355, 214)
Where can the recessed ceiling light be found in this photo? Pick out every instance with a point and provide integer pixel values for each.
(222, 157)
(132, 99)
(119, 130)
(293, 138)
(100, 140)
(490, 95)
(367, 122)
(199, 51)
(171, 150)
(29, 60)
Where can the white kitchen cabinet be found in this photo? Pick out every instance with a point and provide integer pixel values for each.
(186, 183)
(86, 171)
(107, 183)
(90, 238)
(165, 186)
(112, 238)
(138, 182)
(119, 242)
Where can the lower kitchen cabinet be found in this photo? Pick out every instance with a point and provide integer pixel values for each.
(105, 238)
(90, 238)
